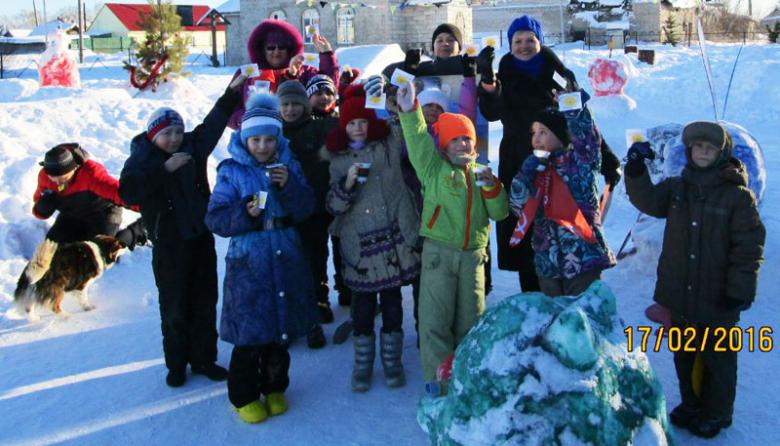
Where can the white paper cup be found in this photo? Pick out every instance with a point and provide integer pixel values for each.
(543, 154)
(477, 172)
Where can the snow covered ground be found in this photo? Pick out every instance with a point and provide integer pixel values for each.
(98, 377)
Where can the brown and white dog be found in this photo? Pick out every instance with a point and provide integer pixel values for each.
(57, 269)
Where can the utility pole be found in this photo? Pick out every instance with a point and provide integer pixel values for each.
(35, 13)
(81, 33)
(45, 28)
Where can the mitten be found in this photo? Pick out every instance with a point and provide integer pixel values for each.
(485, 64)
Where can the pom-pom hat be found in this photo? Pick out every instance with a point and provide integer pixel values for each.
(261, 117)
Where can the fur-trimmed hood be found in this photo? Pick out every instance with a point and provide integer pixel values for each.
(289, 35)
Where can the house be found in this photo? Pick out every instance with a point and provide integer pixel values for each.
(409, 23)
(770, 20)
(121, 20)
(51, 28)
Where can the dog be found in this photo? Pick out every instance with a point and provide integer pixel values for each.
(59, 268)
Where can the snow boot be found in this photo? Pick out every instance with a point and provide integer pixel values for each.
(683, 415)
(315, 339)
(365, 350)
(253, 412)
(211, 371)
(277, 403)
(176, 376)
(392, 345)
(708, 426)
(326, 314)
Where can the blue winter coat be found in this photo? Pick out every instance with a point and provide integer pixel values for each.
(559, 253)
(268, 295)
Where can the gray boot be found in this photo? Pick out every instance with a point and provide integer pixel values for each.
(392, 345)
(365, 350)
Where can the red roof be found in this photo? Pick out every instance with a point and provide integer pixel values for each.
(129, 15)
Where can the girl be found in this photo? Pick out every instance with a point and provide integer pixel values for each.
(267, 300)
(377, 224)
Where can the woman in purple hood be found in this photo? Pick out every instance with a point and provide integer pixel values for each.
(277, 45)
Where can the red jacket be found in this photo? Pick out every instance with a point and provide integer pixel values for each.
(92, 190)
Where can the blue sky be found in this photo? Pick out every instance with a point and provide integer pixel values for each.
(10, 7)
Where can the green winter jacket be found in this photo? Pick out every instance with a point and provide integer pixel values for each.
(455, 211)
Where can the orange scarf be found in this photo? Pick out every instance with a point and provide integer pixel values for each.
(559, 206)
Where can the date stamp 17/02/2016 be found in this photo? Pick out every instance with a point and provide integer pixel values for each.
(695, 339)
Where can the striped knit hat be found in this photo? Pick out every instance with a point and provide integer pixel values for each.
(161, 119)
(261, 117)
(318, 83)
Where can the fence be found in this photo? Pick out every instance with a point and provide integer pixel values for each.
(104, 44)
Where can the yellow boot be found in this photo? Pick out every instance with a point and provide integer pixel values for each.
(254, 412)
(277, 403)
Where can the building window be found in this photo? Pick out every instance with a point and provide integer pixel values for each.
(311, 25)
(345, 26)
(278, 15)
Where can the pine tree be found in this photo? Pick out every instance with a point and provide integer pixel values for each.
(774, 34)
(163, 41)
(670, 29)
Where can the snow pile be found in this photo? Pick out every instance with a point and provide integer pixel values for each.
(537, 370)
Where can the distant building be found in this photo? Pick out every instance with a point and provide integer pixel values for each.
(121, 20)
(51, 28)
(770, 20)
(410, 23)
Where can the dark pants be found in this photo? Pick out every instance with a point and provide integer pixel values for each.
(314, 237)
(568, 287)
(519, 258)
(364, 311)
(69, 229)
(257, 370)
(185, 272)
(719, 381)
(338, 277)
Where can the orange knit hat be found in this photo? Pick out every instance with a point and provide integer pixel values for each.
(451, 126)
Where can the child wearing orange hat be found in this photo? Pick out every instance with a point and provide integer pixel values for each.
(452, 287)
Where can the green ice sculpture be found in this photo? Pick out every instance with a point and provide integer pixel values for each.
(549, 371)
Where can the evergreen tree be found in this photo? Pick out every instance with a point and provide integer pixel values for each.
(163, 41)
(774, 34)
(670, 29)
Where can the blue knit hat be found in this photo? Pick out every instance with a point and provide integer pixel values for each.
(261, 117)
(525, 23)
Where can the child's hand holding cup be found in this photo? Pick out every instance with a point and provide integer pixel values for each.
(255, 206)
(484, 177)
(278, 174)
(543, 156)
(363, 170)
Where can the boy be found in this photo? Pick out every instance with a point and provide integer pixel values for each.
(708, 270)
(166, 176)
(451, 297)
(321, 91)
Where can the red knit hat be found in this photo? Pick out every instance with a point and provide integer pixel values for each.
(451, 126)
(353, 106)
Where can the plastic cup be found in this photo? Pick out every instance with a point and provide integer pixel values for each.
(363, 171)
(477, 172)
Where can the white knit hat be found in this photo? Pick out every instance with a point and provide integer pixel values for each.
(434, 96)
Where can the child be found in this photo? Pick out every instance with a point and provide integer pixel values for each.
(306, 136)
(321, 92)
(556, 190)
(452, 295)
(166, 176)
(260, 195)
(86, 196)
(377, 224)
(708, 270)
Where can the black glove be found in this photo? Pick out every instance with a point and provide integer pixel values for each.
(637, 154)
(737, 304)
(485, 64)
(134, 234)
(412, 60)
(469, 66)
(47, 203)
(80, 155)
(610, 166)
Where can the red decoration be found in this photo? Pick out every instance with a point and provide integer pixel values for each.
(56, 67)
(608, 77)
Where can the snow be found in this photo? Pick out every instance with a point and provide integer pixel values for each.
(98, 377)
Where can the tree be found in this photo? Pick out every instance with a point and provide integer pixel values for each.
(670, 29)
(163, 51)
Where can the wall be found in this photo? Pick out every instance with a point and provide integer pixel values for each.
(496, 19)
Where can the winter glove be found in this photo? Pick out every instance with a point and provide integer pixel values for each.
(375, 85)
(348, 76)
(737, 304)
(610, 166)
(47, 203)
(485, 64)
(412, 60)
(405, 97)
(125, 237)
(469, 66)
(531, 166)
(637, 153)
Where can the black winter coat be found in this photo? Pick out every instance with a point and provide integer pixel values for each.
(306, 136)
(713, 240)
(174, 204)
